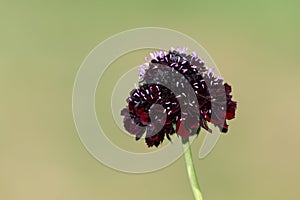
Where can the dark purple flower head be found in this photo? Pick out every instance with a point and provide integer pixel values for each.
(155, 109)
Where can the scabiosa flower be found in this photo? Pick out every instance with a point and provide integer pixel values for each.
(215, 104)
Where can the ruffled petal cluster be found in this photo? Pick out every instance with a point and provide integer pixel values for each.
(143, 115)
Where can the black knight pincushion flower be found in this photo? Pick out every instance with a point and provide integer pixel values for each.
(213, 103)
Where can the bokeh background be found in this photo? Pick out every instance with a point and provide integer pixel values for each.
(256, 47)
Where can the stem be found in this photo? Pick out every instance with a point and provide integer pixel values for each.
(191, 170)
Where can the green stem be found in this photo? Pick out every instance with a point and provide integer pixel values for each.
(191, 170)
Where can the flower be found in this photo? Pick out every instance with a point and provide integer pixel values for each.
(153, 100)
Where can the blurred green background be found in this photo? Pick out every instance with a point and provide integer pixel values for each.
(256, 47)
